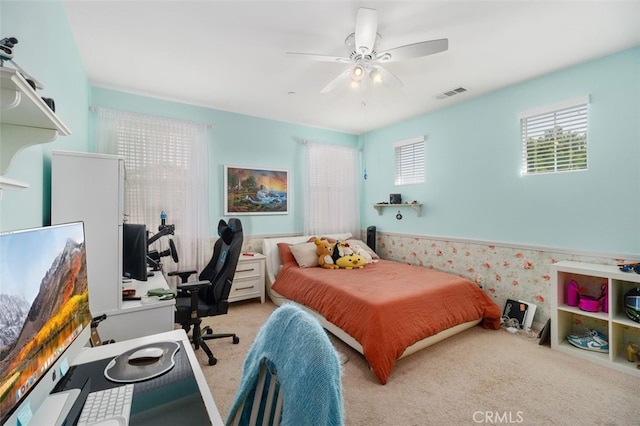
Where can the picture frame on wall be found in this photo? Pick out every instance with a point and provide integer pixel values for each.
(255, 191)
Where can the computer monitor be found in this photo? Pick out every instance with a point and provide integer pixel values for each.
(44, 299)
(134, 251)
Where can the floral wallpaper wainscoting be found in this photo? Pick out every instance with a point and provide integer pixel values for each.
(504, 271)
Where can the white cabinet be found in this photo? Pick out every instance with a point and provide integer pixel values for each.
(248, 281)
(615, 324)
(90, 188)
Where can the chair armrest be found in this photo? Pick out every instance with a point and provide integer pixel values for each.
(196, 285)
(191, 289)
(184, 275)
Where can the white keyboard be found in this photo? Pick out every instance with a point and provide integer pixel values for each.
(108, 406)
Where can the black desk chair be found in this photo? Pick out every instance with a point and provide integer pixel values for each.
(208, 296)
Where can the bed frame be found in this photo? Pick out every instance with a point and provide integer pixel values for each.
(273, 265)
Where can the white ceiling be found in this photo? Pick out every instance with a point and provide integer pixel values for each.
(230, 55)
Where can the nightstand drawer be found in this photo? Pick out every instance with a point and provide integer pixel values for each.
(245, 287)
(248, 281)
(248, 269)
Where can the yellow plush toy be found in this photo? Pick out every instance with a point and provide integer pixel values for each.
(351, 261)
(325, 254)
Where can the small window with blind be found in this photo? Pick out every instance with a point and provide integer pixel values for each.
(554, 138)
(409, 161)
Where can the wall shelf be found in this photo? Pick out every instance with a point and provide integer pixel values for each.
(25, 119)
(415, 206)
(6, 183)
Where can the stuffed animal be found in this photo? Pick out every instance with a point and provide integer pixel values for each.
(357, 249)
(325, 254)
(351, 261)
(341, 249)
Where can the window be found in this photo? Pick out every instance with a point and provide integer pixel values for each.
(410, 161)
(331, 201)
(166, 171)
(554, 138)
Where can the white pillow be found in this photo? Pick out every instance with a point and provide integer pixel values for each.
(305, 254)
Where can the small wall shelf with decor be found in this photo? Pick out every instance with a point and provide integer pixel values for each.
(609, 319)
(25, 119)
(415, 206)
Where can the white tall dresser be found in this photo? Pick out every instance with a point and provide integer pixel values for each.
(90, 188)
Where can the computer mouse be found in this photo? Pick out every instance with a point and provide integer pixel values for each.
(146, 354)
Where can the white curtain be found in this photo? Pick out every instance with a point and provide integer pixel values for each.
(166, 171)
(332, 203)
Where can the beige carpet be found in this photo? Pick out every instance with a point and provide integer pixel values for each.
(478, 377)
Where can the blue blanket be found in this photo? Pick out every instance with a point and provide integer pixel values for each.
(308, 369)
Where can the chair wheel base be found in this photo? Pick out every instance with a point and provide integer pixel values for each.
(236, 340)
(213, 361)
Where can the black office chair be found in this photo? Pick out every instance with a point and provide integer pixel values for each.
(208, 296)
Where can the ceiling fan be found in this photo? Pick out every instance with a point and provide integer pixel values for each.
(364, 59)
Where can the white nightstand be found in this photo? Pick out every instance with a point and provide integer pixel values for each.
(248, 281)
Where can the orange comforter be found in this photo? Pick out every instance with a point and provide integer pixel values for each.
(386, 306)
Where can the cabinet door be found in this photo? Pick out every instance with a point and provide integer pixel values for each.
(88, 188)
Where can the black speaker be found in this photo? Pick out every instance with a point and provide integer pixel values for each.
(50, 103)
(371, 237)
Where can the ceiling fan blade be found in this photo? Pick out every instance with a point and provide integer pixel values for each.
(415, 50)
(380, 75)
(321, 58)
(341, 79)
(366, 30)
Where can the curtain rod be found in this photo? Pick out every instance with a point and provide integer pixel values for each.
(96, 109)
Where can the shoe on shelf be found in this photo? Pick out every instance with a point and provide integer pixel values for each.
(633, 352)
(591, 340)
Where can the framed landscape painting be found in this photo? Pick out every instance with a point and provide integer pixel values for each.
(255, 191)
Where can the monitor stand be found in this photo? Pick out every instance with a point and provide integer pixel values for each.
(56, 406)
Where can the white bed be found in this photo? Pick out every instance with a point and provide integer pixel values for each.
(273, 266)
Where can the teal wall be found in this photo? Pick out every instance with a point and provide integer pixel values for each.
(473, 186)
(239, 140)
(46, 49)
(473, 190)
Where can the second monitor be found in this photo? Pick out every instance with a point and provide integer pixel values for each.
(134, 251)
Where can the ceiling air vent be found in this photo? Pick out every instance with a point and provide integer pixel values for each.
(450, 93)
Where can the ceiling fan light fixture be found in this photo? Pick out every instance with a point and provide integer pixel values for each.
(376, 76)
(357, 72)
(365, 62)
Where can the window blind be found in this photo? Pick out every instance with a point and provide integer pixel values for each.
(554, 138)
(166, 170)
(409, 161)
(331, 203)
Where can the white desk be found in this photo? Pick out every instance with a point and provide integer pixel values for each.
(114, 349)
(137, 318)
